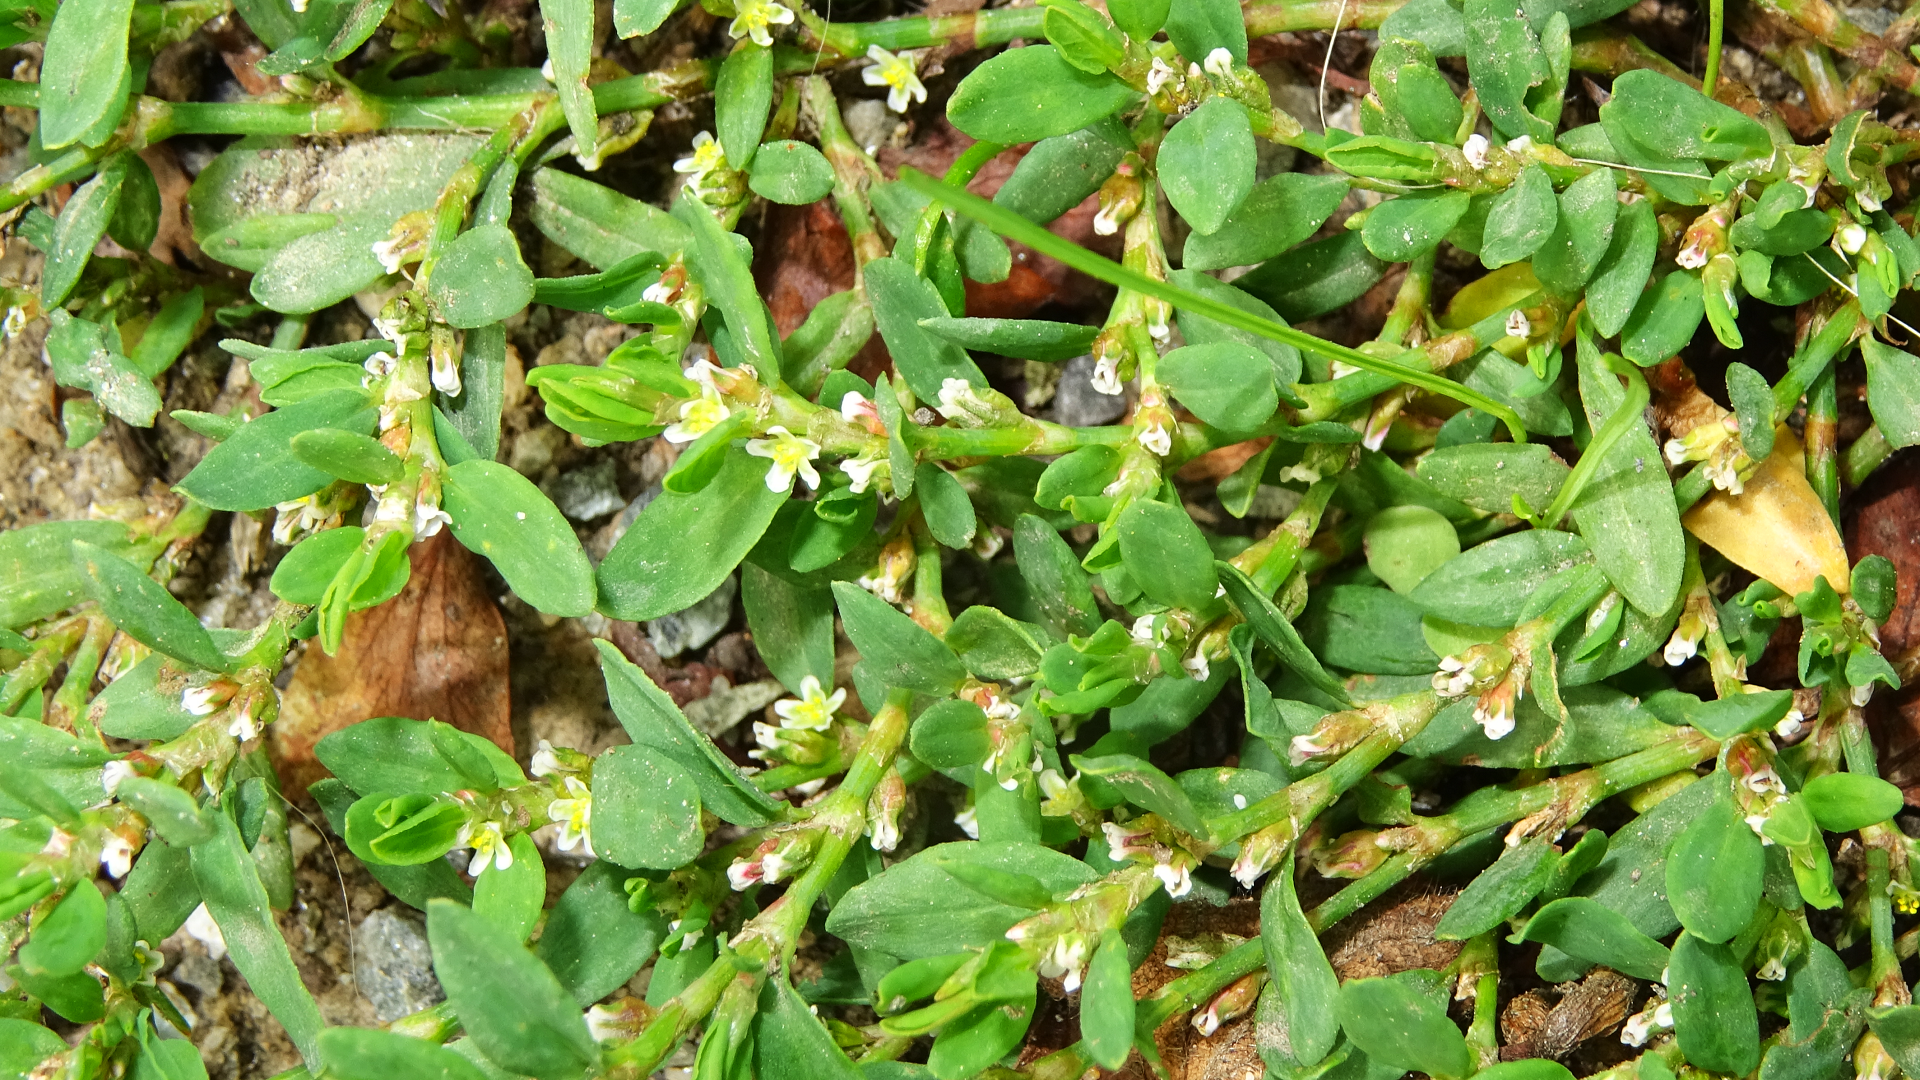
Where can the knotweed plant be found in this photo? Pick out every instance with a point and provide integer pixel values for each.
(1478, 597)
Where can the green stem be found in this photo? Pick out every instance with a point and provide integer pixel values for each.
(1716, 26)
(1823, 435)
(1868, 452)
(1623, 419)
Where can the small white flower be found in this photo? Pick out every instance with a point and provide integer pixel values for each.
(790, 454)
(604, 1024)
(428, 520)
(1303, 747)
(774, 866)
(1765, 781)
(1106, 375)
(1518, 325)
(744, 873)
(753, 18)
(1148, 631)
(116, 855)
(659, 293)
(1178, 880)
(1790, 725)
(545, 761)
(490, 848)
(1106, 222)
(1157, 326)
(244, 726)
(113, 772)
(707, 157)
(1220, 64)
(202, 700)
(861, 470)
(1155, 440)
(1851, 238)
(380, 364)
(391, 253)
(883, 831)
(897, 74)
(1052, 784)
(1497, 724)
(1001, 709)
(1159, 75)
(1475, 149)
(1239, 802)
(575, 815)
(858, 408)
(969, 823)
(1197, 666)
(697, 417)
(1774, 970)
(1068, 958)
(1758, 823)
(955, 399)
(1679, 649)
(1861, 694)
(201, 928)
(16, 321)
(813, 710)
(446, 373)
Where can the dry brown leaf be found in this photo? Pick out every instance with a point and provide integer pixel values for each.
(437, 651)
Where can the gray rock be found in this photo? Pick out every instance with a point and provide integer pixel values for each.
(588, 493)
(1077, 404)
(676, 633)
(726, 705)
(393, 965)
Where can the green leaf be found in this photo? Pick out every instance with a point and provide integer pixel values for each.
(86, 356)
(500, 514)
(1713, 1012)
(1599, 935)
(951, 734)
(171, 811)
(652, 720)
(390, 753)
(81, 224)
(413, 885)
(24, 1044)
(898, 651)
(600, 225)
(944, 505)
(1675, 120)
(646, 810)
(1402, 229)
(353, 457)
(256, 468)
(1752, 401)
(144, 609)
(1025, 339)
(1206, 163)
(1486, 476)
(1899, 1030)
(1714, 873)
(1106, 1003)
(1083, 37)
(38, 577)
(1277, 214)
(1875, 586)
(1844, 802)
(1626, 511)
(1166, 555)
(1279, 634)
(570, 37)
(790, 172)
(1664, 319)
(901, 299)
(993, 645)
(1366, 629)
(67, 938)
(511, 899)
(305, 572)
(721, 265)
(510, 1004)
(916, 908)
(682, 546)
(1893, 390)
(1500, 891)
(1228, 384)
(790, 1041)
(1725, 717)
(632, 18)
(1146, 787)
(83, 74)
(1582, 236)
(372, 1054)
(592, 941)
(791, 623)
(1399, 1027)
(1305, 982)
(1061, 595)
(1621, 277)
(1521, 219)
(1405, 544)
(1197, 27)
(1032, 93)
(480, 279)
(1140, 20)
(742, 94)
(230, 887)
(1199, 329)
